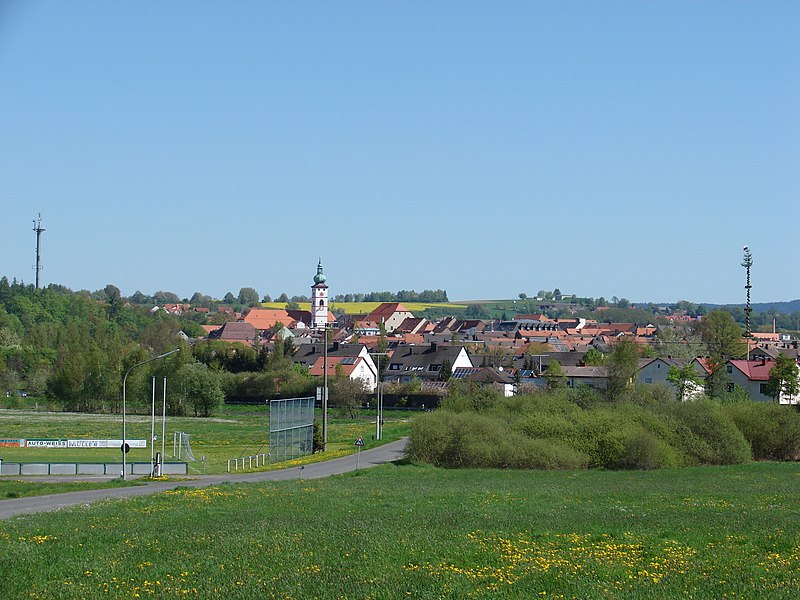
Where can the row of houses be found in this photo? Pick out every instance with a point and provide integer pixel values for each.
(412, 348)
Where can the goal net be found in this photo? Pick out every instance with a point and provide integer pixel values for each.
(181, 446)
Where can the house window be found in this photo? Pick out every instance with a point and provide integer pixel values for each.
(730, 368)
(763, 389)
(434, 368)
(648, 380)
(729, 387)
(394, 367)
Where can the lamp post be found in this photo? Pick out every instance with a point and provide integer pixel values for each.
(325, 387)
(379, 407)
(124, 406)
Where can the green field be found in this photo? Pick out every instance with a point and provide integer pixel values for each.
(237, 431)
(419, 532)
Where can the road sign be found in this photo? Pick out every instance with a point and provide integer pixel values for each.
(359, 443)
(125, 448)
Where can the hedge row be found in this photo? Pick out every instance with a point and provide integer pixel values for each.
(551, 431)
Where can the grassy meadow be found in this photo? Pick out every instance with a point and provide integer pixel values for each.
(421, 532)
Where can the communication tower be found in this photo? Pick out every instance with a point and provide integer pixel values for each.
(37, 227)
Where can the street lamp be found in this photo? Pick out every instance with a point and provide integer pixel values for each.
(124, 382)
(379, 407)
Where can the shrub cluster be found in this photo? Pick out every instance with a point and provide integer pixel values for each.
(562, 430)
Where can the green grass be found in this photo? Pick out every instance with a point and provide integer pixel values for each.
(20, 488)
(238, 431)
(420, 532)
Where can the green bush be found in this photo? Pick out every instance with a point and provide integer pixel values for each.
(470, 396)
(709, 436)
(549, 430)
(772, 430)
(448, 439)
(643, 450)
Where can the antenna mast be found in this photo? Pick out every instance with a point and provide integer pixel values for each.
(747, 263)
(37, 227)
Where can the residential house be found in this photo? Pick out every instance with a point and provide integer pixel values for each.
(593, 377)
(308, 353)
(264, 319)
(390, 314)
(236, 331)
(424, 362)
(496, 377)
(354, 367)
(753, 376)
(366, 327)
(412, 325)
(655, 370)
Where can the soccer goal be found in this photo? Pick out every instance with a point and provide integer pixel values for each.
(181, 446)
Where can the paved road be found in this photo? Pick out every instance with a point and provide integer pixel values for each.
(368, 458)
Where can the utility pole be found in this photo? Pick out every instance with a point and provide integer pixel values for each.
(747, 263)
(37, 227)
(325, 388)
(379, 399)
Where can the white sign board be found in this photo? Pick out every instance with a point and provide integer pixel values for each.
(84, 443)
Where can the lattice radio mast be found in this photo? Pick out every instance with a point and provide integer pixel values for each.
(747, 263)
(37, 227)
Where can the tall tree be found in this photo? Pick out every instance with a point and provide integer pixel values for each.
(201, 387)
(248, 296)
(554, 375)
(721, 335)
(623, 364)
(784, 380)
(678, 342)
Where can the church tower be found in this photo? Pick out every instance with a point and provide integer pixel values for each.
(319, 300)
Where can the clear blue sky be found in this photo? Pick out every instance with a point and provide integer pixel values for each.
(486, 148)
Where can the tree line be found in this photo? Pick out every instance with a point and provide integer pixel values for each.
(74, 350)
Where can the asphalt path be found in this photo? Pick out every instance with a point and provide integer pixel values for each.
(365, 459)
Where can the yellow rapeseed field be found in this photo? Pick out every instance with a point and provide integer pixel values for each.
(363, 308)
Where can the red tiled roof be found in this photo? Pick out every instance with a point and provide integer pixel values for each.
(266, 318)
(386, 310)
(347, 369)
(755, 370)
(536, 317)
(773, 337)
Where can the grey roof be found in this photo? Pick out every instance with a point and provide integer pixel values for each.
(422, 361)
(483, 374)
(307, 354)
(672, 362)
(597, 372)
(235, 331)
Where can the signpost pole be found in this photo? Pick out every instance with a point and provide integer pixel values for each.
(359, 445)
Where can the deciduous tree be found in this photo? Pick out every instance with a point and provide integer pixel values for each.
(686, 379)
(784, 380)
(721, 335)
(623, 364)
